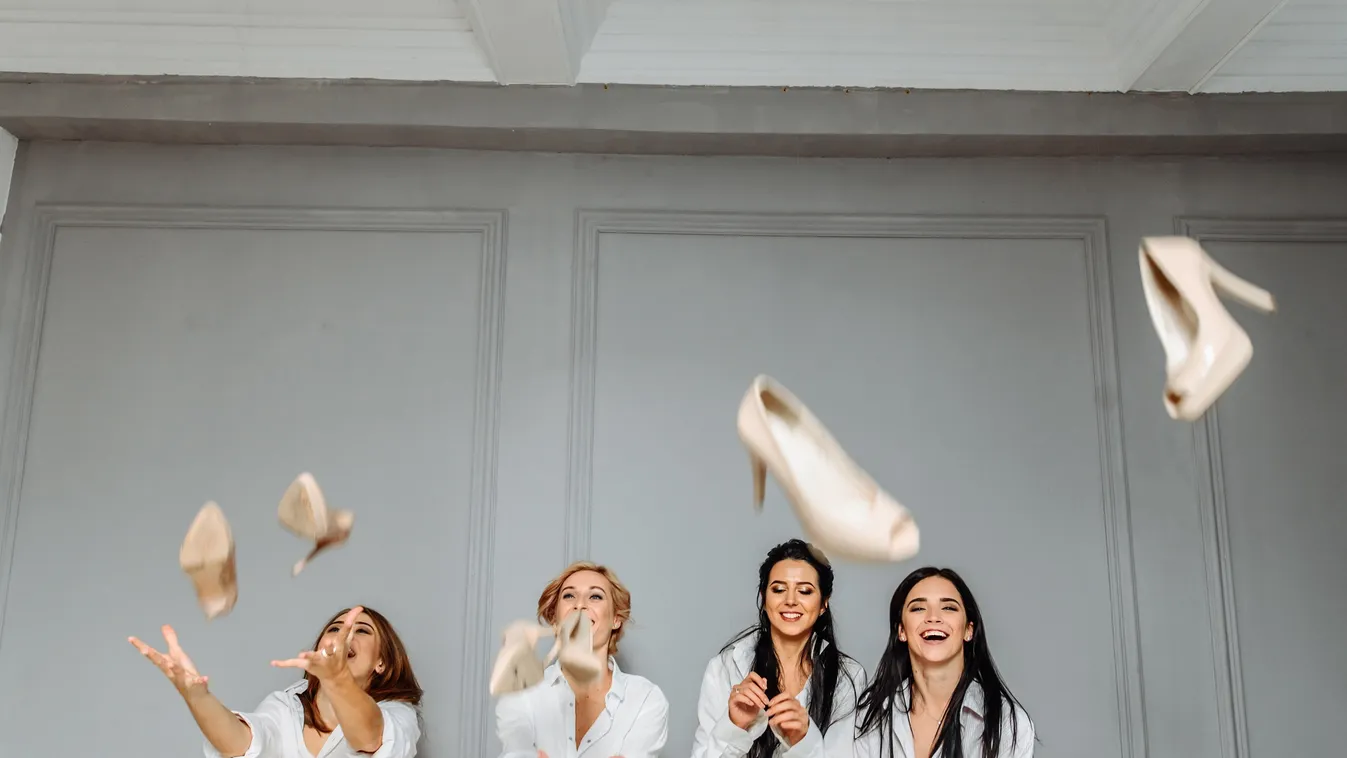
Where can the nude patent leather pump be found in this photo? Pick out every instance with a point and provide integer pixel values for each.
(517, 666)
(1205, 349)
(207, 557)
(840, 507)
(303, 510)
(574, 649)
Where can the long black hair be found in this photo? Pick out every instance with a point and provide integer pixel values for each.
(895, 669)
(820, 649)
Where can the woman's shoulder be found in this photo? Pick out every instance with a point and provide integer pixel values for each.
(644, 688)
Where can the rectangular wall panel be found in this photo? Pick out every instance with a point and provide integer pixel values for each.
(932, 347)
(182, 356)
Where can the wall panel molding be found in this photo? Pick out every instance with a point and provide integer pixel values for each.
(1089, 231)
(1228, 664)
(48, 220)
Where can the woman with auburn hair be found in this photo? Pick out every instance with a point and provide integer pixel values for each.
(593, 708)
(936, 690)
(358, 697)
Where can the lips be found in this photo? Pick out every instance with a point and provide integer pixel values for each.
(791, 615)
(934, 635)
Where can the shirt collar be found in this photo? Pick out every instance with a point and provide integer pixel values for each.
(974, 700)
(616, 693)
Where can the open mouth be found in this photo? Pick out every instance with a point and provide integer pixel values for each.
(350, 653)
(934, 635)
(791, 615)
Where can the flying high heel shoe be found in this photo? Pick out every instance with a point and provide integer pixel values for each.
(303, 510)
(839, 506)
(574, 648)
(517, 667)
(1205, 349)
(207, 557)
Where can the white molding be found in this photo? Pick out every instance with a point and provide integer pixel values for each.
(1207, 39)
(26, 335)
(535, 41)
(1090, 232)
(1228, 663)
(9, 153)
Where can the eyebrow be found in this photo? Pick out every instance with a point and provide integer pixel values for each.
(783, 581)
(927, 600)
(573, 587)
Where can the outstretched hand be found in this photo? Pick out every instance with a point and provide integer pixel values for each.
(329, 661)
(176, 665)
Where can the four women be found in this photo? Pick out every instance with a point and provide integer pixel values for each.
(782, 688)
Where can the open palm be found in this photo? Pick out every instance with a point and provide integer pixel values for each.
(176, 665)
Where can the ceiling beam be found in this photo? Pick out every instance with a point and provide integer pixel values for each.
(535, 41)
(9, 150)
(1214, 33)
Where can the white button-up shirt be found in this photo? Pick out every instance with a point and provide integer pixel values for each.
(634, 722)
(718, 737)
(278, 730)
(971, 721)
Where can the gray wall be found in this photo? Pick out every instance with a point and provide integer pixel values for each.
(505, 361)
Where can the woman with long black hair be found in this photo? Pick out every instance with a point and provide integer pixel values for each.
(936, 692)
(782, 687)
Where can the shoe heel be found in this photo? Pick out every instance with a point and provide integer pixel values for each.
(759, 467)
(1244, 291)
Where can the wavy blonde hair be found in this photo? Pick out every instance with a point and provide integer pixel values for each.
(621, 597)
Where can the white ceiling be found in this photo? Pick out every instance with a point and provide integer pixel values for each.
(1080, 45)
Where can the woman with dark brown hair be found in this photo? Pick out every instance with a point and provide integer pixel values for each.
(358, 697)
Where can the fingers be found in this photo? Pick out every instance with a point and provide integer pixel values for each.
(293, 663)
(784, 704)
(350, 622)
(171, 637)
(748, 694)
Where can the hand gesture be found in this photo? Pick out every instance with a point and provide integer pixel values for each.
(176, 665)
(329, 661)
(747, 699)
(789, 717)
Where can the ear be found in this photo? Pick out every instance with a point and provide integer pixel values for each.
(379, 667)
(617, 624)
(968, 633)
(902, 635)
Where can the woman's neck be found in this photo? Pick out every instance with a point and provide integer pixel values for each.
(934, 685)
(790, 652)
(597, 688)
(325, 709)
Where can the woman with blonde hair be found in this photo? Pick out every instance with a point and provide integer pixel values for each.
(581, 709)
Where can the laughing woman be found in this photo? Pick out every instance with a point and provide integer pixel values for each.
(358, 697)
(612, 714)
(936, 692)
(782, 687)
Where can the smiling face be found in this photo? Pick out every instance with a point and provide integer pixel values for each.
(363, 649)
(935, 625)
(592, 593)
(792, 599)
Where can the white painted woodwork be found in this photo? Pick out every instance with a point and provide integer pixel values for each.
(9, 150)
(535, 41)
(1092, 45)
(1303, 47)
(1202, 42)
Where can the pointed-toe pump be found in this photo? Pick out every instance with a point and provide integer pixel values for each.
(207, 557)
(574, 649)
(839, 506)
(1205, 349)
(303, 510)
(517, 666)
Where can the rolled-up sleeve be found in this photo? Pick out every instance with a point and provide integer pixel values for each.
(264, 722)
(402, 730)
(650, 730)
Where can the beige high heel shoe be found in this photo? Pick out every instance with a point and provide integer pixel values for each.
(1205, 349)
(517, 666)
(303, 510)
(207, 557)
(574, 648)
(839, 506)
